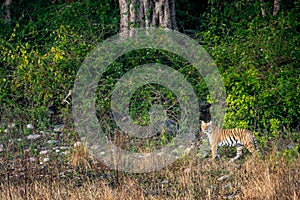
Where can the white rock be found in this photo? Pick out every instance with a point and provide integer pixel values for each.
(53, 134)
(95, 147)
(1, 147)
(52, 141)
(32, 159)
(29, 126)
(62, 174)
(290, 146)
(44, 152)
(64, 148)
(58, 128)
(64, 153)
(46, 159)
(77, 144)
(42, 132)
(33, 136)
(11, 125)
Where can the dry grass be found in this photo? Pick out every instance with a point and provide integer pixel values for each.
(187, 178)
(80, 157)
(271, 179)
(59, 190)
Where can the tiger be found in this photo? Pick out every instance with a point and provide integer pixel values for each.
(229, 137)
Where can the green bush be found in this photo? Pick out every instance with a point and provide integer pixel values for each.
(44, 46)
(43, 50)
(261, 74)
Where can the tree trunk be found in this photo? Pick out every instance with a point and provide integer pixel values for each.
(6, 11)
(276, 7)
(262, 7)
(147, 13)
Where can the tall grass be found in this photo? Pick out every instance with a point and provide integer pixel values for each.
(272, 177)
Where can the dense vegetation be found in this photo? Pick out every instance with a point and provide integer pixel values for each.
(44, 45)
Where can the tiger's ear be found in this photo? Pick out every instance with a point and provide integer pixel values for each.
(202, 122)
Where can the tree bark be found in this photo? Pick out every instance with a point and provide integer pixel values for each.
(276, 7)
(146, 14)
(262, 7)
(5, 10)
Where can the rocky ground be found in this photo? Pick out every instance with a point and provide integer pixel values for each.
(38, 154)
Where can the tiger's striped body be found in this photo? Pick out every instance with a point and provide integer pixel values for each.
(231, 137)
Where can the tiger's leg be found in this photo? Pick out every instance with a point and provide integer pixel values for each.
(239, 152)
(252, 147)
(214, 151)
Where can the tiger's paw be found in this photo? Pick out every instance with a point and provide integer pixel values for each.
(215, 158)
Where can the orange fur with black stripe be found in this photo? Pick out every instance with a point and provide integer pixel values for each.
(229, 137)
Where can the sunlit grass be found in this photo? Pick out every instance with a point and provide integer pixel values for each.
(271, 177)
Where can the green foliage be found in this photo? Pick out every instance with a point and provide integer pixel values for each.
(291, 154)
(261, 73)
(223, 18)
(145, 97)
(43, 47)
(42, 51)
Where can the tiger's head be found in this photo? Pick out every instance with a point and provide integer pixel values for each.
(206, 127)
